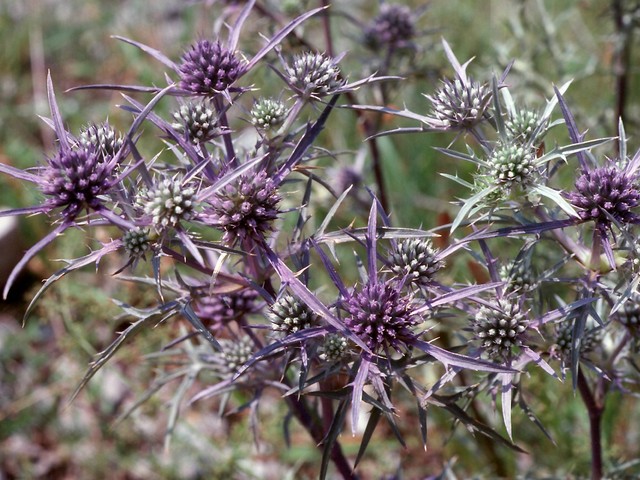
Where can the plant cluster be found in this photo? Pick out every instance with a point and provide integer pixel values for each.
(236, 219)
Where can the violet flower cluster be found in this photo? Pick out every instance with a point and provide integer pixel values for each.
(259, 272)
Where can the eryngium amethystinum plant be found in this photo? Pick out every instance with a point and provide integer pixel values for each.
(340, 312)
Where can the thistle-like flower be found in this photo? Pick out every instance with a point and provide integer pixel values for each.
(314, 75)
(517, 276)
(500, 329)
(236, 352)
(75, 179)
(589, 341)
(629, 314)
(217, 311)
(522, 124)
(290, 315)
(381, 315)
(245, 209)
(460, 103)
(393, 27)
(417, 259)
(268, 113)
(604, 193)
(345, 177)
(168, 203)
(334, 348)
(197, 120)
(209, 68)
(103, 138)
(136, 242)
(513, 164)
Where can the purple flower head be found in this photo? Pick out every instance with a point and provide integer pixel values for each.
(209, 68)
(604, 193)
(79, 176)
(345, 177)
(218, 310)
(75, 179)
(393, 27)
(381, 315)
(246, 208)
(500, 329)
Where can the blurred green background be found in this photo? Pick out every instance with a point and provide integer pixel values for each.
(41, 436)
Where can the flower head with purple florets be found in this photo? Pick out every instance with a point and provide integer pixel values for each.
(245, 209)
(393, 27)
(379, 319)
(209, 68)
(605, 194)
(78, 177)
(381, 315)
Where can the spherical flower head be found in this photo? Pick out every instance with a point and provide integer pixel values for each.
(197, 120)
(75, 179)
(168, 203)
(103, 138)
(518, 277)
(209, 68)
(629, 314)
(289, 315)
(344, 177)
(459, 103)
(218, 311)
(501, 329)
(393, 27)
(245, 209)
(589, 341)
(606, 189)
(268, 113)
(136, 242)
(236, 352)
(522, 124)
(512, 164)
(381, 315)
(314, 75)
(415, 258)
(334, 348)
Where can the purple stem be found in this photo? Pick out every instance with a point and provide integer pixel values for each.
(371, 127)
(326, 24)
(623, 55)
(316, 431)
(223, 124)
(595, 409)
